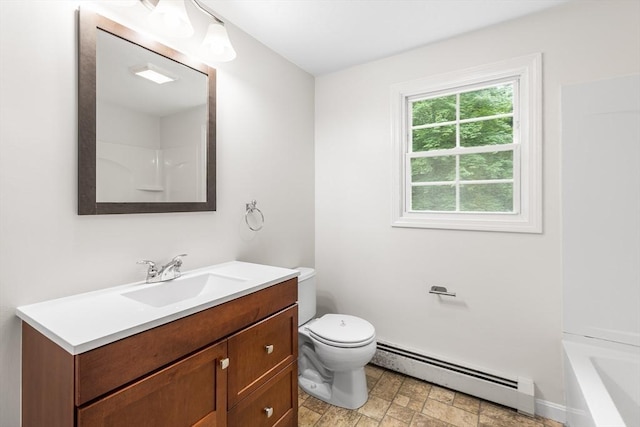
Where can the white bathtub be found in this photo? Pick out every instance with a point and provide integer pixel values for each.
(602, 383)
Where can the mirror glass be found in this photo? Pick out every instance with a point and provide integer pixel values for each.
(145, 145)
(150, 137)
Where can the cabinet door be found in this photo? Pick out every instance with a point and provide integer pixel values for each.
(260, 351)
(275, 404)
(191, 392)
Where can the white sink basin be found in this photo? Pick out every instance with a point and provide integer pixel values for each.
(174, 291)
(83, 322)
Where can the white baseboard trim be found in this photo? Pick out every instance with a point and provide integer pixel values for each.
(552, 411)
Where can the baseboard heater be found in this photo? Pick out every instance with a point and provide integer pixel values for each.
(517, 393)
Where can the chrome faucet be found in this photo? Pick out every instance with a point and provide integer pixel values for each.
(169, 271)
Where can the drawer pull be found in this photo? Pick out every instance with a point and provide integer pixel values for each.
(268, 411)
(268, 349)
(224, 363)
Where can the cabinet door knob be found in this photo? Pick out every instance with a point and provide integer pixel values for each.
(224, 363)
(268, 349)
(268, 411)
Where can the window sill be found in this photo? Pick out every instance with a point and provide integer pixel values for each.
(510, 223)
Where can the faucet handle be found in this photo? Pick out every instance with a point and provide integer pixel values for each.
(151, 264)
(178, 259)
(146, 261)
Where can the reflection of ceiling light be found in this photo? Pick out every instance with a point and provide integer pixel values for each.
(170, 16)
(153, 73)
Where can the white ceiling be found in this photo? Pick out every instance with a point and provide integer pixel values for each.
(321, 36)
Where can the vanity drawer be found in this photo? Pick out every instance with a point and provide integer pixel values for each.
(260, 351)
(188, 393)
(275, 404)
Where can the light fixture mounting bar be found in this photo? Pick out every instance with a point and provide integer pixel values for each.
(206, 11)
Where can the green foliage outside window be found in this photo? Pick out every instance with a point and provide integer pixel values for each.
(486, 198)
(433, 169)
(434, 110)
(486, 102)
(487, 132)
(434, 198)
(496, 165)
(462, 121)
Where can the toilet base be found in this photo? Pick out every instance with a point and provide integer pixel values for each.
(346, 390)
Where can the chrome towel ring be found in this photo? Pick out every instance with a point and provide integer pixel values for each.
(251, 208)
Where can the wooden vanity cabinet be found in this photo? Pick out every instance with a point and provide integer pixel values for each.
(234, 364)
(187, 393)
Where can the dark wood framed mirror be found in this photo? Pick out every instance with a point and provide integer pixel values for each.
(143, 147)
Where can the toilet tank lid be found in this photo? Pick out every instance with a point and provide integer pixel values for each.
(305, 273)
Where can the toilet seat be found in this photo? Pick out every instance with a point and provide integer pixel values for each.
(342, 330)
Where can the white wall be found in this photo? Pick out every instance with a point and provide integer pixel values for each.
(507, 316)
(265, 151)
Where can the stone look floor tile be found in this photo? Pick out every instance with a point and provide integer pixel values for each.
(500, 416)
(387, 386)
(466, 402)
(519, 421)
(421, 420)
(449, 414)
(367, 422)
(400, 413)
(409, 402)
(415, 391)
(374, 371)
(388, 421)
(442, 395)
(400, 401)
(373, 374)
(413, 386)
(375, 408)
(302, 397)
(316, 405)
(307, 418)
(339, 417)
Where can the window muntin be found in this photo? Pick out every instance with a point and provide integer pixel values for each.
(453, 150)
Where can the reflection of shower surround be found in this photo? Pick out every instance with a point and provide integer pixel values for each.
(147, 158)
(127, 173)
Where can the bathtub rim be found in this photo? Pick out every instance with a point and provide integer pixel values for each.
(579, 352)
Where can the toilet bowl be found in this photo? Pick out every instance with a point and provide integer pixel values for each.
(332, 350)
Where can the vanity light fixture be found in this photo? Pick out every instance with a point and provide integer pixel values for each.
(171, 17)
(153, 73)
(216, 44)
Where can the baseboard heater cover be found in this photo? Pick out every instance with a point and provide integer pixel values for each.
(517, 393)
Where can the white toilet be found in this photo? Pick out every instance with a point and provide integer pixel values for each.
(332, 350)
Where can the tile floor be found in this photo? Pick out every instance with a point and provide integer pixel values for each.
(396, 400)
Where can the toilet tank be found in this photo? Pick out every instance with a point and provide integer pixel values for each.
(306, 294)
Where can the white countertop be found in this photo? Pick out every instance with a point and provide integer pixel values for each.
(82, 322)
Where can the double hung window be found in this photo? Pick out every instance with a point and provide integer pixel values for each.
(468, 149)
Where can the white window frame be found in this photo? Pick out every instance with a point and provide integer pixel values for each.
(527, 215)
